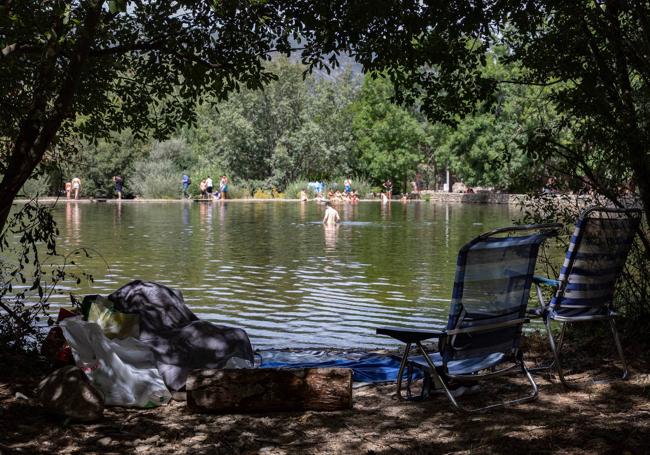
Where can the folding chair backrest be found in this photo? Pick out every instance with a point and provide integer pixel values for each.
(491, 288)
(595, 259)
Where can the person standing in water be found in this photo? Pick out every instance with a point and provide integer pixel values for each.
(76, 186)
(388, 188)
(331, 215)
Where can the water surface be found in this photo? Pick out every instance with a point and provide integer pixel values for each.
(273, 269)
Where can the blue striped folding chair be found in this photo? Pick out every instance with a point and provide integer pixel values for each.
(596, 256)
(494, 275)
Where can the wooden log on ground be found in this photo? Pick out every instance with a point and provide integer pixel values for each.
(269, 390)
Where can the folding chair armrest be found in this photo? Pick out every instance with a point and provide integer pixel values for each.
(408, 335)
(488, 327)
(545, 281)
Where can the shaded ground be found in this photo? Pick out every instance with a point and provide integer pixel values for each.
(609, 417)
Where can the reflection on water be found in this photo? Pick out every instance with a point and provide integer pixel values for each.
(331, 231)
(73, 222)
(276, 271)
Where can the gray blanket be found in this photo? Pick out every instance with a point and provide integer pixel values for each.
(181, 342)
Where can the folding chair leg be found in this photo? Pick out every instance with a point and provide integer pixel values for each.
(400, 374)
(619, 348)
(540, 297)
(560, 339)
(543, 307)
(437, 380)
(532, 382)
(556, 353)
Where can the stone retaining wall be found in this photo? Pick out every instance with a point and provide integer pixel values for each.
(472, 198)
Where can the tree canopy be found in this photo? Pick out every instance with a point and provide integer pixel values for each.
(91, 67)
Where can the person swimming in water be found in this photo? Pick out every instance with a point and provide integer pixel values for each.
(331, 215)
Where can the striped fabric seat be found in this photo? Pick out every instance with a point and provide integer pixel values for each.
(492, 286)
(594, 260)
(494, 274)
(599, 247)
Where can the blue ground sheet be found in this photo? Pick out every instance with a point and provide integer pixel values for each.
(366, 367)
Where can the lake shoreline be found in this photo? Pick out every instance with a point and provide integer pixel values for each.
(426, 197)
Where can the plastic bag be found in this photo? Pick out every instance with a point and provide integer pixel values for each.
(114, 323)
(124, 371)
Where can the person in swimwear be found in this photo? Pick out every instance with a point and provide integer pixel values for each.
(331, 215)
(76, 186)
(118, 185)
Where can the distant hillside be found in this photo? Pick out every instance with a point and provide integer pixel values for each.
(345, 61)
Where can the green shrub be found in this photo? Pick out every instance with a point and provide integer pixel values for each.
(292, 191)
(159, 175)
(239, 190)
(157, 180)
(376, 189)
(363, 188)
(262, 194)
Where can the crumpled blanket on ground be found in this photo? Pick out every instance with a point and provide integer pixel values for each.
(124, 371)
(179, 340)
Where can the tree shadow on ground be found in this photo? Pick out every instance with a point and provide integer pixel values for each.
(598, 418)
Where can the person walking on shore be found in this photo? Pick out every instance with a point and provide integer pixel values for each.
(186, 181)
(68, 189)
(76, 186)
(118, 186)
(209, 186)
(223, 187)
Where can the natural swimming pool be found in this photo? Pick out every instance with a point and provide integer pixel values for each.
(273, 269)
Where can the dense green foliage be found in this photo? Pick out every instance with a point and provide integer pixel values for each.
(295, 129)
(317, 128)
(488, 147)
(390, 140)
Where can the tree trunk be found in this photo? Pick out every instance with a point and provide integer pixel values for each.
(269, 390)
(38, 130)
(20, 168)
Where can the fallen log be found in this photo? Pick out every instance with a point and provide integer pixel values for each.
(269, 390)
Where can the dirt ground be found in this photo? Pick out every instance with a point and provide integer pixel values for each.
(602, 417)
